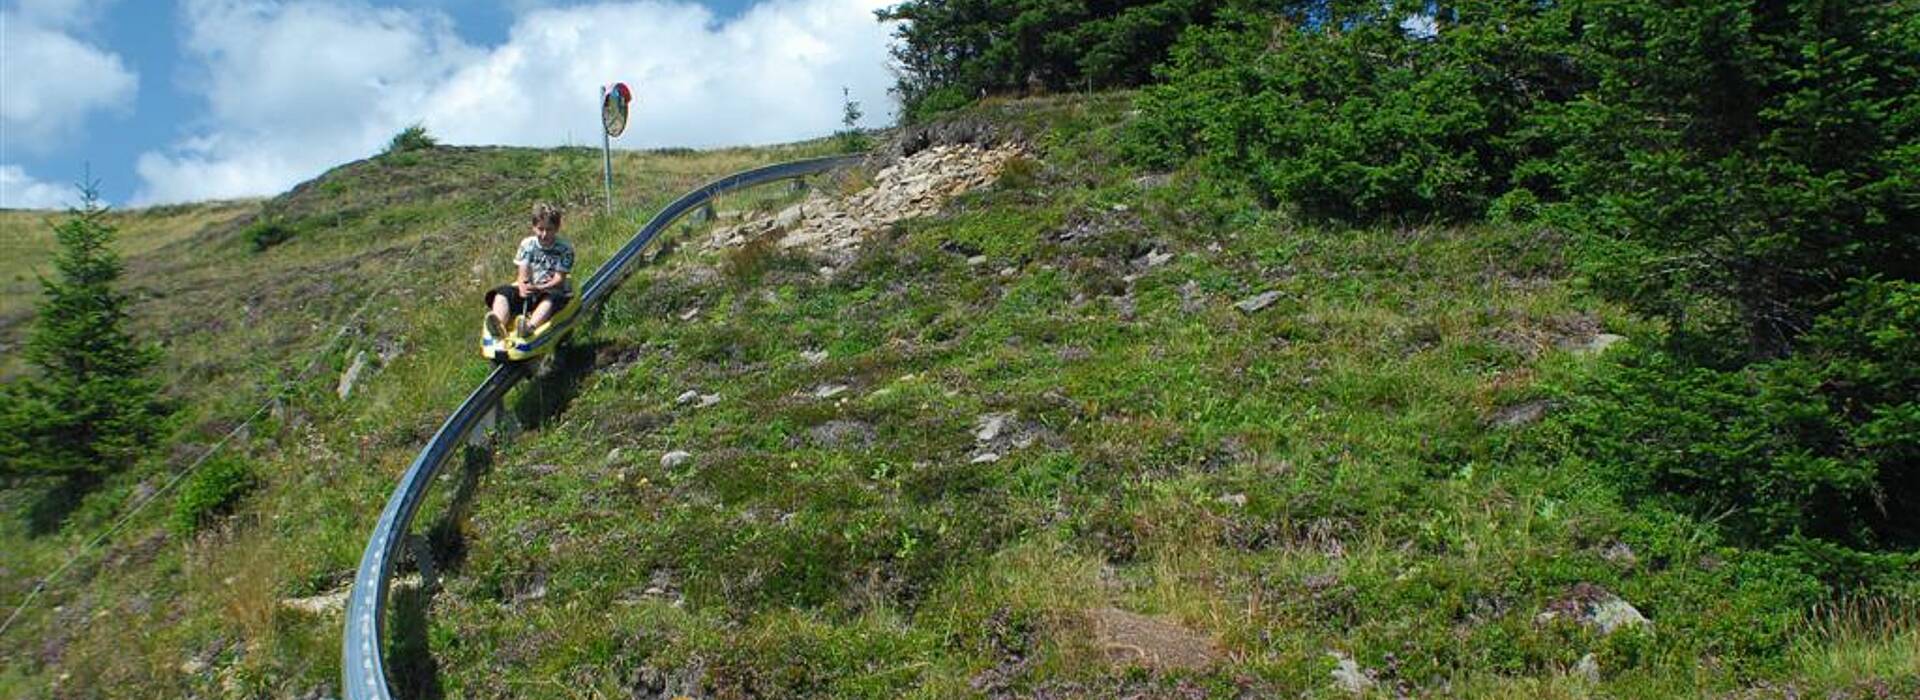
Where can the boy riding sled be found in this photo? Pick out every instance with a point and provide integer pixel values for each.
(544, 262)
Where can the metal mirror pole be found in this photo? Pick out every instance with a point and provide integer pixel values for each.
(606, 155)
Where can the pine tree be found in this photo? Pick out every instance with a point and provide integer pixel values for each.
(92, 408)
(851, 138)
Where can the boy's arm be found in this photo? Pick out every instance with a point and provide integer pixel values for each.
(520, 278)
(554, 280)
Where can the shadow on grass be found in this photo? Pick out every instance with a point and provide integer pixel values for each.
(50, 508)
(410, 665)
(447, 536)
(411, 668)
(555, 384)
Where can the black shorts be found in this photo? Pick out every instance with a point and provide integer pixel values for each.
(518, 303)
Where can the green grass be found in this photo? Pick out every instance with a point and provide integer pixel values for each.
(1318, 476)
(388, 256)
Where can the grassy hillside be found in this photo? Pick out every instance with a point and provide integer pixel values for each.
(1041, 444)
(26, 239)
(382, 259)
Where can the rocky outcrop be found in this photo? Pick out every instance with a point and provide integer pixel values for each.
(915, 185)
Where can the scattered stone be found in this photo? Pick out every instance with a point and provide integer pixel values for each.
(1590, 605)
(707, 400)
(789, 217)
(615, 356)
(1620, 553)
(1521, 414)
(1617, 613)
(1599, 344)
(690, 313)
(1237, 500)
(1588, 668)
(1131, 639)
(686, 397)
(616, 453)
(1153, 181)
(988, 427)
(534, 592)
(1157, 258)
(352, 376)
(814, 356)
(192, 667)
(838, 433)
(1258, 301)
(323, 604)
(674, 459)
(977, 260)
(1315, 583)
(1348, 675)
(388, 350)
(986, 458)
(1192, 300)
(828, 391)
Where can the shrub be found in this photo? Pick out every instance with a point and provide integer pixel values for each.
(211, 492)
(412, 138)
(1821, 445)
(266, 232)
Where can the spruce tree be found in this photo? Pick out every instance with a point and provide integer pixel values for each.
(92, 408)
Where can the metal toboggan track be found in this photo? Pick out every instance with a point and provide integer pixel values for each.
(363, 670)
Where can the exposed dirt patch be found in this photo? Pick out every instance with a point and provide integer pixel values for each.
(842, 433)
(1130, 639)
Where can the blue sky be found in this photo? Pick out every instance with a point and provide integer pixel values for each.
(215, 99)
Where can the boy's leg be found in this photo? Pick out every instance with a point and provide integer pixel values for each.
(540, 313)
(500, 310)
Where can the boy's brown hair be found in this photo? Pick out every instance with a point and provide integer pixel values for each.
(546, 216)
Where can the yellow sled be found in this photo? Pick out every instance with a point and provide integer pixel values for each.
(539, 341)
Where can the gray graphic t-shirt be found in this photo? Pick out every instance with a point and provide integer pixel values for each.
(542, 261)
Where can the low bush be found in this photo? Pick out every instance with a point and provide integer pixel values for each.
(1821, 445)
(211, 492)
(266, 232)
(412, 138)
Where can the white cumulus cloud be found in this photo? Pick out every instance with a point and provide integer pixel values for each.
(18, 190)
(51, 80)
(62, 13)
(295, 88)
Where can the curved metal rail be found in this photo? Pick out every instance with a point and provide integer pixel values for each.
(362, 666)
